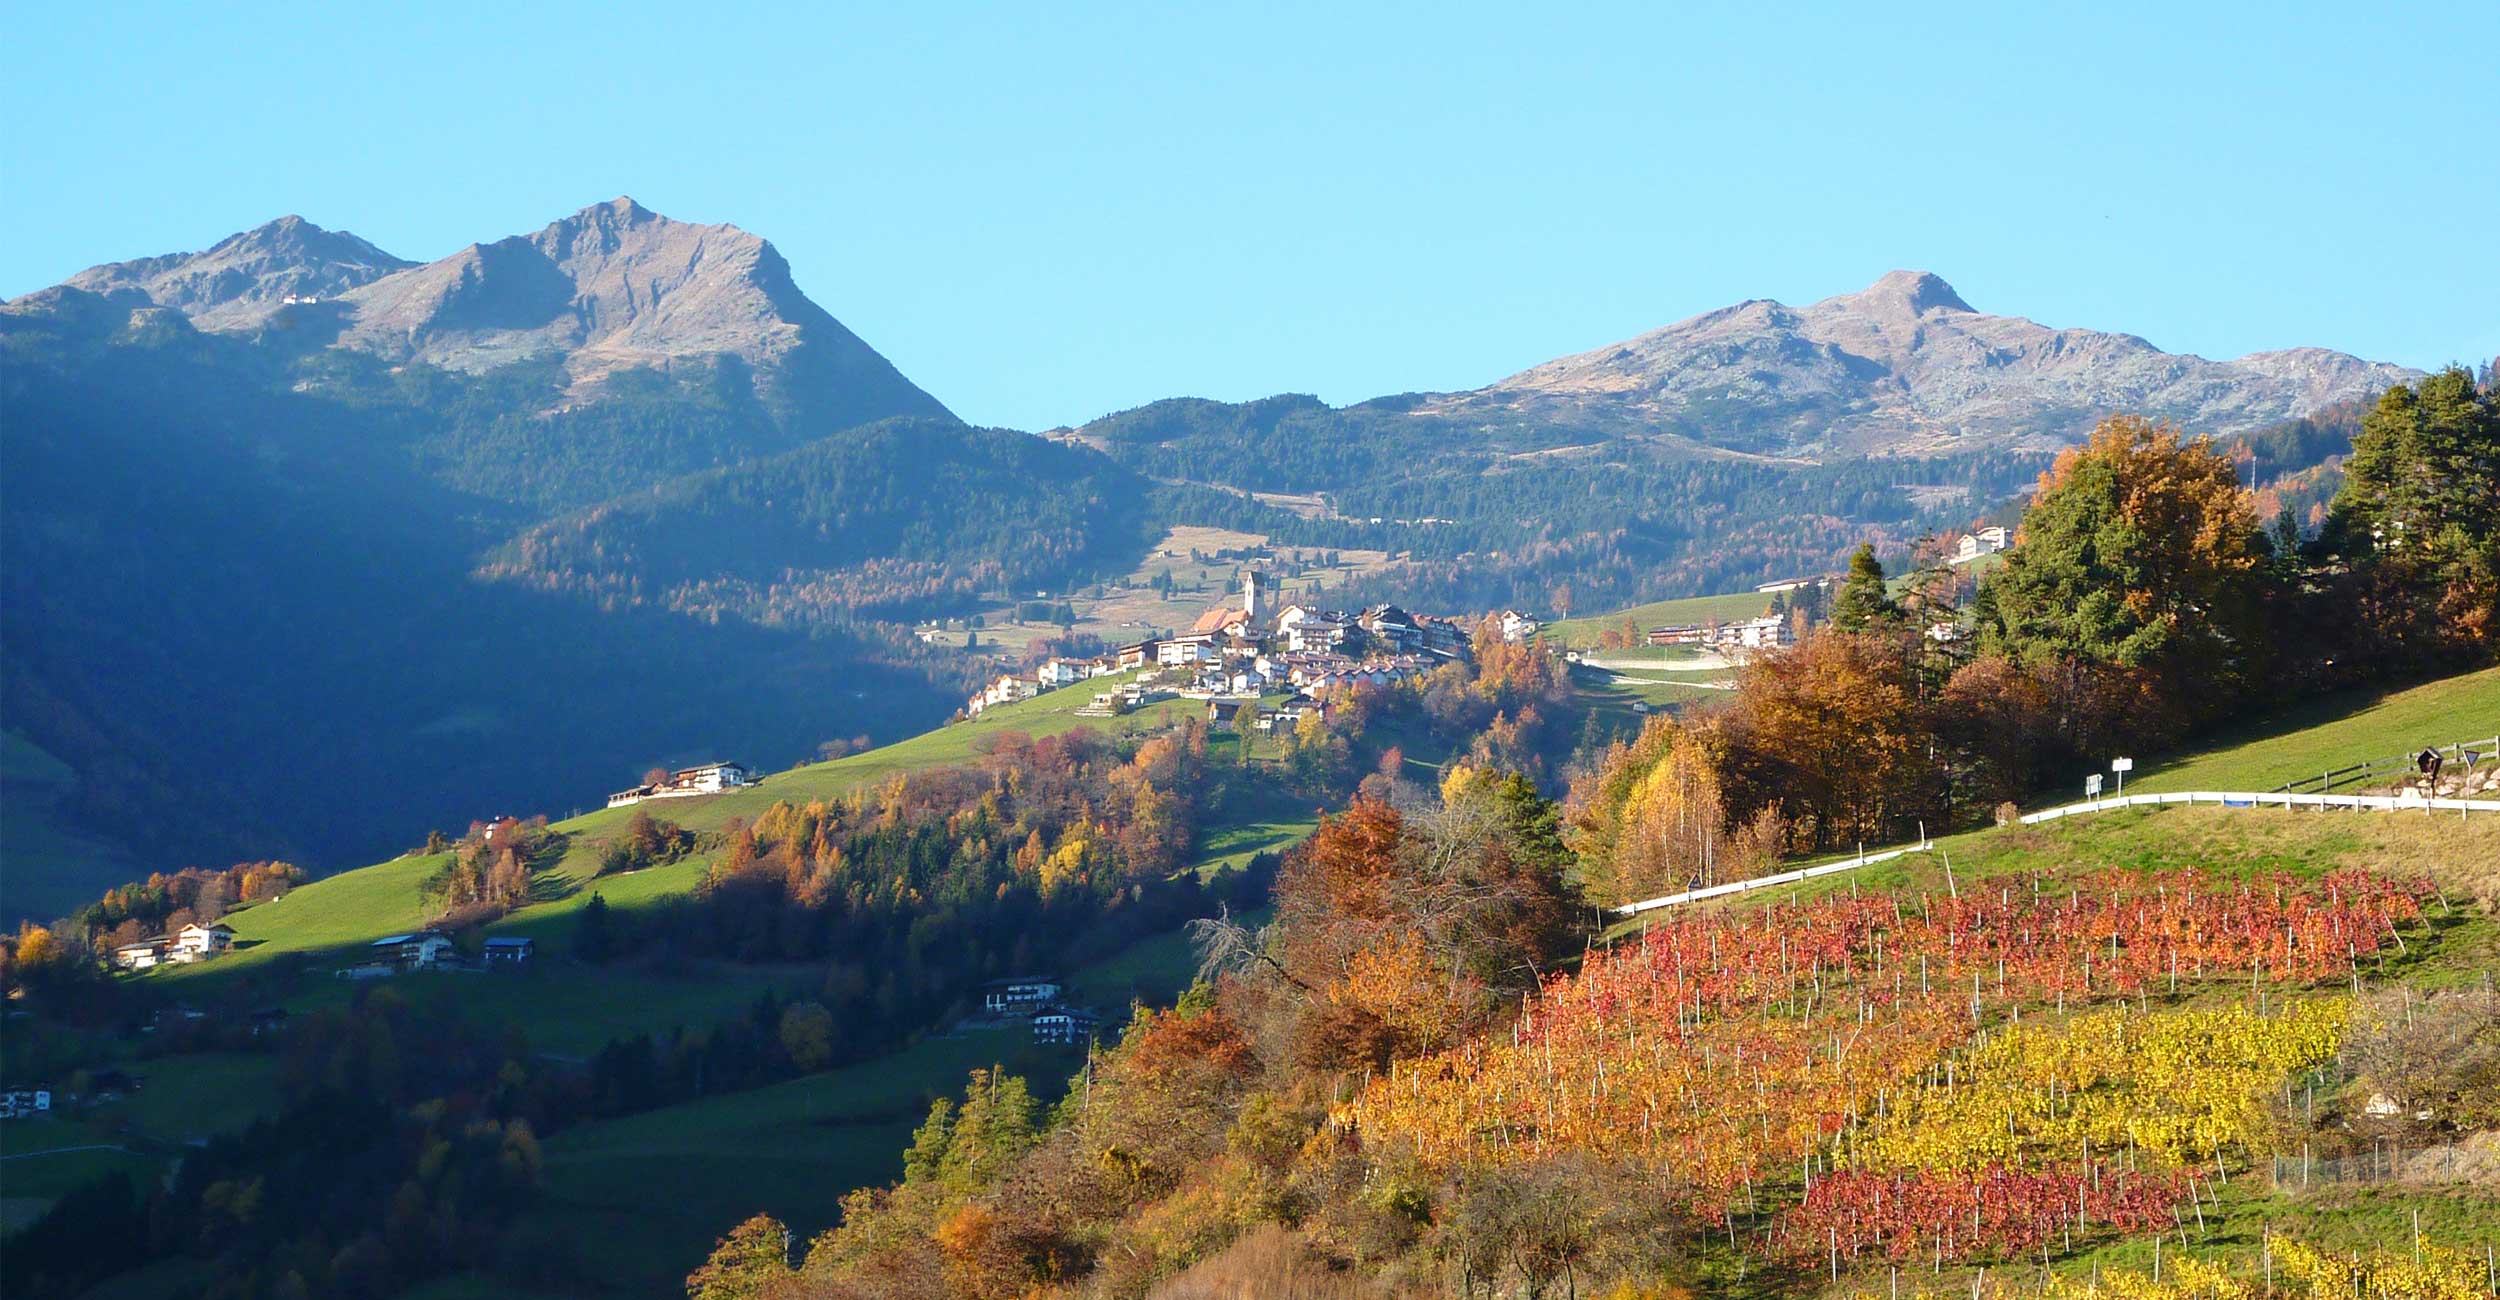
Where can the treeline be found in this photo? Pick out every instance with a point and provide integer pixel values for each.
(1040, 853)
(489, 870)
(162, 903)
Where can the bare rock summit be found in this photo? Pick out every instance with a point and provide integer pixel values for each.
(1903, 366)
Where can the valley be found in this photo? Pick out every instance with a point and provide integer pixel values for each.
(557, 770)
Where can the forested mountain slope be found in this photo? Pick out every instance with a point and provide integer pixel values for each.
(899, 518)
(242, 546)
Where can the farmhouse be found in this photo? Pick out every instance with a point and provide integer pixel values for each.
(1986, 541)
(508, 950)
(1768, 630)
(196, 942)
(708, 778)
(1752, 633)
(1022, 993)
(421, 950)
(20, 1103)
(1064, 1025)
(1138, 654)
(1515, 625)
(1007, 689)
(143, 954)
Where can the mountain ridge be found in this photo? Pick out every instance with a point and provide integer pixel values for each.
(611, 288)
(241, 280)
(1904, 366)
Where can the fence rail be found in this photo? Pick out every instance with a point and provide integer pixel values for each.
(2384, 1162)
(1763, 882)
(2271, 799)
(2325, 782)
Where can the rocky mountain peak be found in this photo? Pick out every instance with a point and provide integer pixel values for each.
(241, 280)
(1913, 292)
(613, 287)
(1904, 367)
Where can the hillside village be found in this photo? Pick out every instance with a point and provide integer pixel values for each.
(1240, 657)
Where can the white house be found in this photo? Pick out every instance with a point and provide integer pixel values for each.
(1025, 993)
(711, 778)
(1768, 630)
(19, 1103)
(1987, 541)
(510, 950)
(143, 954)
(1185, 650)
(1517, 626)
(1060, 672)
(197, 942)
(708, 778)
(1315, 635)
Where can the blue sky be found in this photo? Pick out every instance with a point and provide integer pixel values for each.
(1046, 212)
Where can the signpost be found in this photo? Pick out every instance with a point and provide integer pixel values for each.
(2092, 786)
(2122, 766)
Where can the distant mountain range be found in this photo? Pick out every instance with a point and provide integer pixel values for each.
(613, 287)
(1903, 367)
(525, 520)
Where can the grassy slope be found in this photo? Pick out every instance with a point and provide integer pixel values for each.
(342, 912)
(1691, 609)
(2334, 732)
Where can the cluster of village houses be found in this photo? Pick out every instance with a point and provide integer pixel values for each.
(1233, 655)
(1037, 999)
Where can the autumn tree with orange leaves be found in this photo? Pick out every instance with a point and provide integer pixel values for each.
(1398, 931)
(2140, 553)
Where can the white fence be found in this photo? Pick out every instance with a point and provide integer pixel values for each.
(2467, 752)
(2213, 798)
(2271, 799)
(1761, 882)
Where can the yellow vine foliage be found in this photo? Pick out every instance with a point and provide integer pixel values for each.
(2178, 1085)
(2442, 1274)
